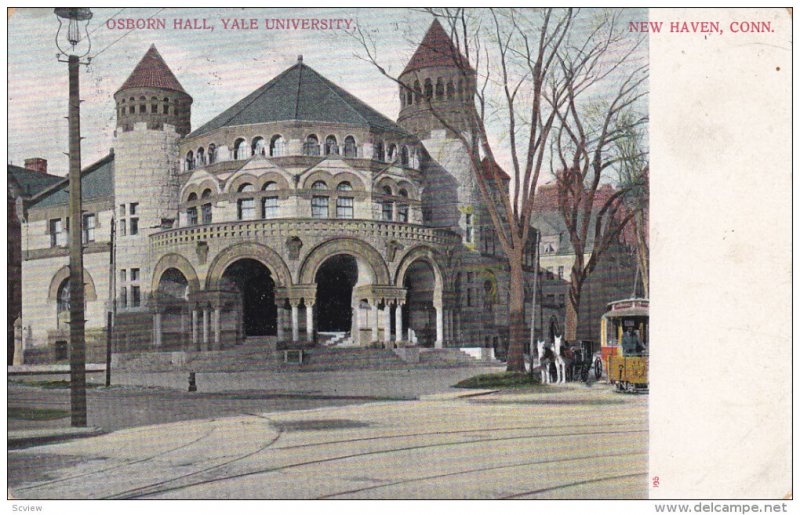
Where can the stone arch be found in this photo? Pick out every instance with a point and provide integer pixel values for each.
(386, 181)
(179, 263)
(356, 248)
(275, 177)
(249, 250)
(237, 180)
(354, 180)
(318, 175)
(420, 253)
(89, 292)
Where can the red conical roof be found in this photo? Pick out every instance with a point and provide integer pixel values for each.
(152, 72)
(436, 49)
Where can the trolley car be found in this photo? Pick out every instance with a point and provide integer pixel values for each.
(624, 344)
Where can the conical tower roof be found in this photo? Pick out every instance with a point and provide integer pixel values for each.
(153, 72)
(436, 49)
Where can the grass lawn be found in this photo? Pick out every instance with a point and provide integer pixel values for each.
(503, 380)
(36, 413)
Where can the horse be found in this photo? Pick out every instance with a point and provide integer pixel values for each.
(563, 360)
(545, 358)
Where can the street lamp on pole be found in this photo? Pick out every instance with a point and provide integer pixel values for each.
(75, 46)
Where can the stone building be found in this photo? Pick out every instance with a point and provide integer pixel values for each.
(298, 215)
(22, 185)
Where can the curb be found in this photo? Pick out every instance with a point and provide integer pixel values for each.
(31, 438)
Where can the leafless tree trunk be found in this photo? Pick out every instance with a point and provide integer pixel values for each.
(523, 85)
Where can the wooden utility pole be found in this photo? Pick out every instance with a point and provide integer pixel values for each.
(77, 334)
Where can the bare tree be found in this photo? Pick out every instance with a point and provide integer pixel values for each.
(516, 61)
(588, 148)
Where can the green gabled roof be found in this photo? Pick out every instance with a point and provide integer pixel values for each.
(300, 93)
(97, 182)
(30, 181)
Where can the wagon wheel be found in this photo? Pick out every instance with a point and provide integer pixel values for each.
(598, 369)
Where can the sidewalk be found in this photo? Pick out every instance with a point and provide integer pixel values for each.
(19, 439)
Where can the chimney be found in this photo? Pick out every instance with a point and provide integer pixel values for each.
(36, 164)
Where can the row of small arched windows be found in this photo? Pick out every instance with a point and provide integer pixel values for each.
(439, 91)
(311, 147)
(132, 107)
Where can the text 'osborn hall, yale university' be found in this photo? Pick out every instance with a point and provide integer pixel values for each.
(298, 214)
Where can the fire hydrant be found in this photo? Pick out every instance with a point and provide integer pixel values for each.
(192, 382)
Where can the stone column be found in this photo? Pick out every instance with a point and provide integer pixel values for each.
(279, 321)
(309, 320)
(157, 329)
(205, 328)
(195, 341)
(439, 327)
(398, 322)
(356, 336)
(374, 321)
(387, 323)
(295, 321)
(217, 341)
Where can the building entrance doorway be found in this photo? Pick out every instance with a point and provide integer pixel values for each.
(254, 283)
(420, 313)
(335, 280)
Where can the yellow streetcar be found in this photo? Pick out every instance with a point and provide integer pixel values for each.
(624, 344)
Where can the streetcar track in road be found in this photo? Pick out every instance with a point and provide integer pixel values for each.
(120, 465)
(141, 492)
(482, 469)
(576, 483)
(134, 491)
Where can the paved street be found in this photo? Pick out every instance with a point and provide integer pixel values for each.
(565, 442)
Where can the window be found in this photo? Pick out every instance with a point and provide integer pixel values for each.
(240, 149)
(206, 214)
(166, 106)
(134, 274)
(154, 105)
(58, 236)
(350, 147)
(246, 187)
(379, 152)
(247, 209)
(311, 146)
(392, 153)
(123, 228)
(561, 272)
(319, 207)
(212, 154)
(136, 296)
(133, 207)
(404, 156)
(206, 194)
(191, 216)
(134, 226)
(561, 300)
(122, 210)
(469, 233)
(319, 185)
(344, 207)
(270, 207)
(331, 148)
(277, 146)
(409, 97)
(89, 223)
(402, 213)
(123, 275)
(200, 160)
(259, 148)
(451, 90)
(387, 211)
(190, 160)
(123, 297)
(428, 89)
(439, 89)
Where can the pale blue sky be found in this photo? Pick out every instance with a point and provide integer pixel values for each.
(216, 67)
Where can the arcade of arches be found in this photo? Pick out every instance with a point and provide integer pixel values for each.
(248, 302)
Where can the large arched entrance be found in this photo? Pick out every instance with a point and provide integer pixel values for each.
(172, 316)
(256, 287)
(335, 280)
(420, 312)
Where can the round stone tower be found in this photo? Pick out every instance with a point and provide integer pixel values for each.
(153, 114)
(438, 83)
